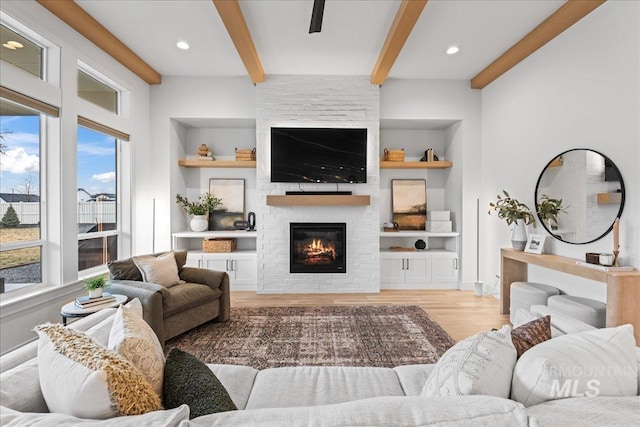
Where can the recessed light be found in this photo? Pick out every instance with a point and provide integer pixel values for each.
(15, 44)
(452, 50)
(8, 46)
(182, 45)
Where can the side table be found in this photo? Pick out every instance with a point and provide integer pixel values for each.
(71, 310)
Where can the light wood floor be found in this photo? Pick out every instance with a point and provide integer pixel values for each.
(460, 313)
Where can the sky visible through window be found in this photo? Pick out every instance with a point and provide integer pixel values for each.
(20, 163)
(96, 163)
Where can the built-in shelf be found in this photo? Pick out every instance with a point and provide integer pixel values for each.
(318, 200)
(203, 234)
(440, 164)
(187, 163)
(417, 233)
(609, 198)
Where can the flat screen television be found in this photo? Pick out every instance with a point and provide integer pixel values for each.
(332, 155)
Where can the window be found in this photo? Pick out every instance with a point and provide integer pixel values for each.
(97, 197)
(20, 190)
(96, 92)
(21, 52)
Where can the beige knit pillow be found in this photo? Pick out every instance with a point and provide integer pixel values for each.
(79, 377)
(134, 339)
(161, 270)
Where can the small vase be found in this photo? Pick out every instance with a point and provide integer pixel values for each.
(199, 223)
(95, 293)
(519, 236)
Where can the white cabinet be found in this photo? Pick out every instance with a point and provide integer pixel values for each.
(433, 268)
(242, 267)
(418, 270)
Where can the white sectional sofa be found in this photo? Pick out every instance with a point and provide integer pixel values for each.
(310, 396)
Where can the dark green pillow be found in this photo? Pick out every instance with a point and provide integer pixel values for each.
(189, 381)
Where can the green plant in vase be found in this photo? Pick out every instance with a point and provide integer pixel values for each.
(513, 212)
(199, 209)
(548, 210)
(95, 286)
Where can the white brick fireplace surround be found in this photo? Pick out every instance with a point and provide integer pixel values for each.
(317, 101)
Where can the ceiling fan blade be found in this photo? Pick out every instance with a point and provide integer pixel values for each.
(316, 16)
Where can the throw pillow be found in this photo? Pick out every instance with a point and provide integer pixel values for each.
(532, 333)
(189, 381)
(125, 269)
(601, 362)
(134, 339)
(161, 270)
(81, 378)
(480, 364)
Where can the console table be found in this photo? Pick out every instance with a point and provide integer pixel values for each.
(623, 288)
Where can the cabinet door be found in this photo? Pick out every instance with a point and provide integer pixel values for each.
(194, 260)
(244, 273)
(391, 269)
(417, 270)
(215, 262)
(444, 267)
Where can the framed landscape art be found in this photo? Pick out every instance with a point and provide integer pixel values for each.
(409, 203)
(231, 193)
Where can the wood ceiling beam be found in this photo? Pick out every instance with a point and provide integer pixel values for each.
(406, 17)
(567, 15)
(231, 14)
(78, 19)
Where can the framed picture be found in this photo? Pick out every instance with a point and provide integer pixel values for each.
(231, 193)
(409, 203)
(535, 243)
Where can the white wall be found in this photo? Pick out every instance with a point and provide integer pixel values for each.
(21, 313)
(581, 90)
(449, 100)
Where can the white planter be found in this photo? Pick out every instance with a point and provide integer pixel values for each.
(199, 223)
(519, 235)
(96, 293)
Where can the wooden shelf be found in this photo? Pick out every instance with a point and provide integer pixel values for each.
(318, 200)
(216, 163)
(609, 198)
(556, 163)
(440, 164)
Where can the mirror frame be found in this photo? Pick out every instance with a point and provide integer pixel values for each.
(618, 215)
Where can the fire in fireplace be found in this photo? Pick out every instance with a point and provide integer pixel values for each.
(318, 247)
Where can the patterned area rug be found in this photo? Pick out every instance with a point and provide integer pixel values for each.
(264, 337)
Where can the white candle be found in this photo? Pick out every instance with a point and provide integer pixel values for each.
(616, 234)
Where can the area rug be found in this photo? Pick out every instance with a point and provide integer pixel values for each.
(265, 337)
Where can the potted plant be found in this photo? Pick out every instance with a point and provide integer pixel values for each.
(95, 286)
(514, 212)
(548, 210)
(200, 209)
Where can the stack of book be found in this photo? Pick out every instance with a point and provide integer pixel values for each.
(86, 302)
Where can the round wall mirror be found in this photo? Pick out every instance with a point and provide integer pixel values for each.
(592, 193)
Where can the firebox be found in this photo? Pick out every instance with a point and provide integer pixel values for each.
(318, 247)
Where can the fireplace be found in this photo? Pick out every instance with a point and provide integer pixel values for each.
(318, 247)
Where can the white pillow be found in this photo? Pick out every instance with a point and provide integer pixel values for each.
(79, 377)
(481, 364)
(161, 270)
(134, 339)
(601, 362)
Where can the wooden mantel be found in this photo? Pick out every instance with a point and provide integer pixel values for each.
(318, 200)
(623, 288)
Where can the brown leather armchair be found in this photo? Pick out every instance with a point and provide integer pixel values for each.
(203, 296)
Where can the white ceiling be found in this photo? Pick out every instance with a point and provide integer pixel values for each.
(352, 36)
